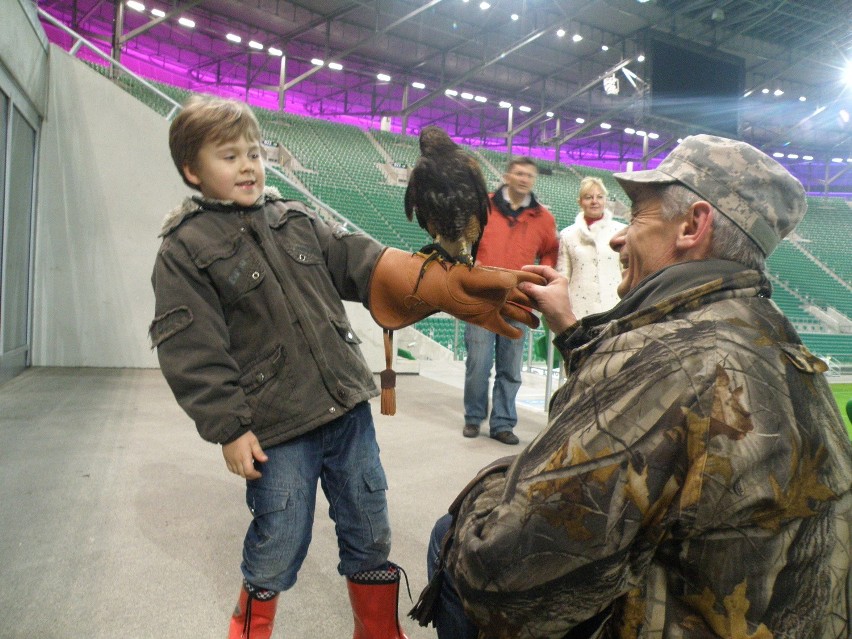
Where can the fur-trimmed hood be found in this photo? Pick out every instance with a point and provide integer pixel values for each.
(194, 204)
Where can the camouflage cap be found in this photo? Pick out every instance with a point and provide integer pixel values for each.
(744, 184)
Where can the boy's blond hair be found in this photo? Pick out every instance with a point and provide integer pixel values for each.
(206, 118)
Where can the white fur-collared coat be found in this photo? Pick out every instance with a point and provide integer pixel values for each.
(591, 266)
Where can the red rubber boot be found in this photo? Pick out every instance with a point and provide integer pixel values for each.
(254, 615)
(374, 595)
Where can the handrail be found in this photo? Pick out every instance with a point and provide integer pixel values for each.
(80, 40)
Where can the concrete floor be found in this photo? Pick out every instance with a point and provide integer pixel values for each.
(117, 520)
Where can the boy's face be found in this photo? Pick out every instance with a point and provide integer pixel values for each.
(231, 171)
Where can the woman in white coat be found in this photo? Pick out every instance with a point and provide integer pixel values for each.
(585, 257)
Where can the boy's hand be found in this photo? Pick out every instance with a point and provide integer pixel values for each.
(240, 455)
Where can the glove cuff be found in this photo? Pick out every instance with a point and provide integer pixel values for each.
(392, 282)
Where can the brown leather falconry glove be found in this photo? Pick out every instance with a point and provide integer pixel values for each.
(408, 287)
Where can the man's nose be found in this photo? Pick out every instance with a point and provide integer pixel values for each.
(617, 240)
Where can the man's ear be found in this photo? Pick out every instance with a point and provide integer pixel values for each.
(190, 175)
(696, 229)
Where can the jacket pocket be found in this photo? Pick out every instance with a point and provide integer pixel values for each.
(261, 371)
(303, 252)
(234, 268)
(344, 329)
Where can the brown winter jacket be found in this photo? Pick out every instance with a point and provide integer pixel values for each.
(249, 325)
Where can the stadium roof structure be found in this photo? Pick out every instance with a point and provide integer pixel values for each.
(532, 73)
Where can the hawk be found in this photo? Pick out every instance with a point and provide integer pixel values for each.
(446, 191)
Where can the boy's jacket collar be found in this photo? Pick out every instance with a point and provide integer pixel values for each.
(194, 204)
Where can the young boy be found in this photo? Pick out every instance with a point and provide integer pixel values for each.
(253, 340)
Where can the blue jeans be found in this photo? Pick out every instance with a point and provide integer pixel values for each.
(344, 456)
(485, 348)
(450, 619)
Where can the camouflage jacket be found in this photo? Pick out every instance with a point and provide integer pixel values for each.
(693, 480)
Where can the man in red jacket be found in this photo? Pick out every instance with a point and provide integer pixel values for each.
(519, 231)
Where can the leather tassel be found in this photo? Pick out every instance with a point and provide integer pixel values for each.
(388, 377)
(424, 610)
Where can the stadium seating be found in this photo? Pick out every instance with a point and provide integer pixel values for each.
(341, 165)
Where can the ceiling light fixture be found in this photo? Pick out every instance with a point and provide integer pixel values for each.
(335, 66)
(255, 45)
(383, 77)
(274, 51)
(136, 6)
(233, 37)
(576, 37)
(606, 125)
(524, 108)
(186, 22)
(560, 33)
(158, 13)
(317, 62)
(418, 85)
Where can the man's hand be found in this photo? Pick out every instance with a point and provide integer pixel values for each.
(240, 455)
(552, 299)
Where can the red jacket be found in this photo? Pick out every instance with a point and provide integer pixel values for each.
(512, 241)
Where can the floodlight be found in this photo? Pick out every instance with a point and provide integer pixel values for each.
(778, 93)
(580, 120)
(560, 33)
(777, 155)
(418, 85)
(480, 98)
(524, 108)
(136, 6)
(383, 77)
(808, 157)
(484, 6)
(576, 37)
(515, 17)
(505, 105)
(274, 51)
(232, 37)
(802, 98)
(317, 62)
(335, 66)
(158, 13)
(630, 130)
(187, 22)
(451, 92)
(604, 47)
(255, 45)
(606, 125)
(466, 96)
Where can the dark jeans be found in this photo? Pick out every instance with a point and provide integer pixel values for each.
(450, 619)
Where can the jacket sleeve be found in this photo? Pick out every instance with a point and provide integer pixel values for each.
(192, 342)
(350, 257)
(563, 261)
(549, 249)
(575, 520)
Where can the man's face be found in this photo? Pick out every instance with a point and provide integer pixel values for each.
(231, 171)
(648, 244)
(520, 179)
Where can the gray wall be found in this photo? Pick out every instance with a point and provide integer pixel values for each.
(105, 182)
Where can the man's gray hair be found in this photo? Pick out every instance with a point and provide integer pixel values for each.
(729, 241)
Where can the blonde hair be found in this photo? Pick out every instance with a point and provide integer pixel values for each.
(206, 118)
(588, 182)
